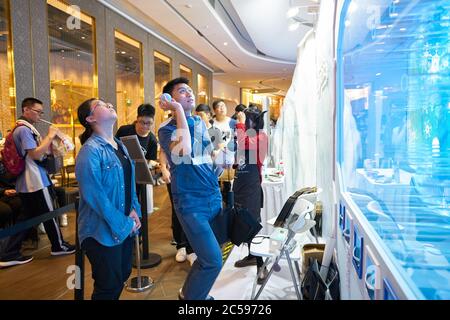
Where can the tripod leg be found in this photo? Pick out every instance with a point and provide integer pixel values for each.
(294, 279)
(268, 276)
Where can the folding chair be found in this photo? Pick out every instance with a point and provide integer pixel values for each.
(296, 225)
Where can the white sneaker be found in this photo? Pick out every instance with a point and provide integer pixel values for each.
(181, 255)
(63, 220)
(191, 258)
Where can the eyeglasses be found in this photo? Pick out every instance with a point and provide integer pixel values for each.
(145, 123)
(39, 112)
(101, 103)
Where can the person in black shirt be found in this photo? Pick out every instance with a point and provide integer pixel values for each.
(142, 128)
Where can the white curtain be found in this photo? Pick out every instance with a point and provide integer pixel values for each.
(303, 138)
(296, 127)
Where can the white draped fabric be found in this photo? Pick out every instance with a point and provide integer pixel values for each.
(303, 138)
(296, 127)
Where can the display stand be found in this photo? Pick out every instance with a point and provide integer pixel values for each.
(139, 283)
(143, 178)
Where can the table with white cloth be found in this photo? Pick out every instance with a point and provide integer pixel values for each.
(274, 199)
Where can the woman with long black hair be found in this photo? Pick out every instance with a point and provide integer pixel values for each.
(109, 208)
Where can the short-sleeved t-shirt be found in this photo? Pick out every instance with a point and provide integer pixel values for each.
(192, 173)
(149, 142)
(34, 177)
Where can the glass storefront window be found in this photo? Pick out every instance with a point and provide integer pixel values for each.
(203, 89)
(393, 131)
(73, 69)
(163, 74)
(7, 88)
(129, 78)
(186, 73)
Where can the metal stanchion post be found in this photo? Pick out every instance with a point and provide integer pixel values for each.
(139, 283)
(149, 259)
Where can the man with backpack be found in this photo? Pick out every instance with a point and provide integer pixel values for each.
(33, 183)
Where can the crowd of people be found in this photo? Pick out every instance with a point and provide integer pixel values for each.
(203, 155)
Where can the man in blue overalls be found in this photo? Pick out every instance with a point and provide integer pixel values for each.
(196, 194)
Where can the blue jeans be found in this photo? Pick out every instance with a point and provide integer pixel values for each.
(195, 213)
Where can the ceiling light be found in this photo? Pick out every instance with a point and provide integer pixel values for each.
(83, 37)
(225, 43)
(294, 26)
(402, 29)
(238, 82)
(189, 6)
(378, 74)
(60, 28)
(292, 12)
(123, 52)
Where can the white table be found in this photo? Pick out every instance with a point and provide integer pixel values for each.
(274, 199)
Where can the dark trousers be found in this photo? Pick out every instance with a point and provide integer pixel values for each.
(177, 229)
(10, 210)
(225, 188)
(35, 204)
(111, 267)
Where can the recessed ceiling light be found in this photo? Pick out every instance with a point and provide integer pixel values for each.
(83, 37)
(123, 52)
(225, 43)
(238, 82)
(60, 28)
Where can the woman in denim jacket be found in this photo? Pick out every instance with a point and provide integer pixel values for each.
(109, 210)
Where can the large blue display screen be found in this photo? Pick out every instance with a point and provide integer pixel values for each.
(393, 130)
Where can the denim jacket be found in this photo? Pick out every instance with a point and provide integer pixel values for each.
(102, 195)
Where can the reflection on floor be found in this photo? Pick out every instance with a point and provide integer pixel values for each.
(46, 276)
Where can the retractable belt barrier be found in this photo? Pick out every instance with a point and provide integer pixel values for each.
(29, 223)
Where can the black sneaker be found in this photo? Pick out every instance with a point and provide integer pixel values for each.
(65, 249)
(246, 262)
(16, 261)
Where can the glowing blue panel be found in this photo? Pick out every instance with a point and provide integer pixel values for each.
(393, 130)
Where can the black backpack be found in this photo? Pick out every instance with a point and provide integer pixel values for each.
(314, 288)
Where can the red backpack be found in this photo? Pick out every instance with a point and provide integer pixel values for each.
(13, 162)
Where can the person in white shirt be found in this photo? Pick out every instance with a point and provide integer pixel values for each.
(227, 126)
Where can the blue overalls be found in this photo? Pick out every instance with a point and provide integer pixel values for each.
(197, 201)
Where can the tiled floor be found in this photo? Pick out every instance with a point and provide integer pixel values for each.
(46, 277)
